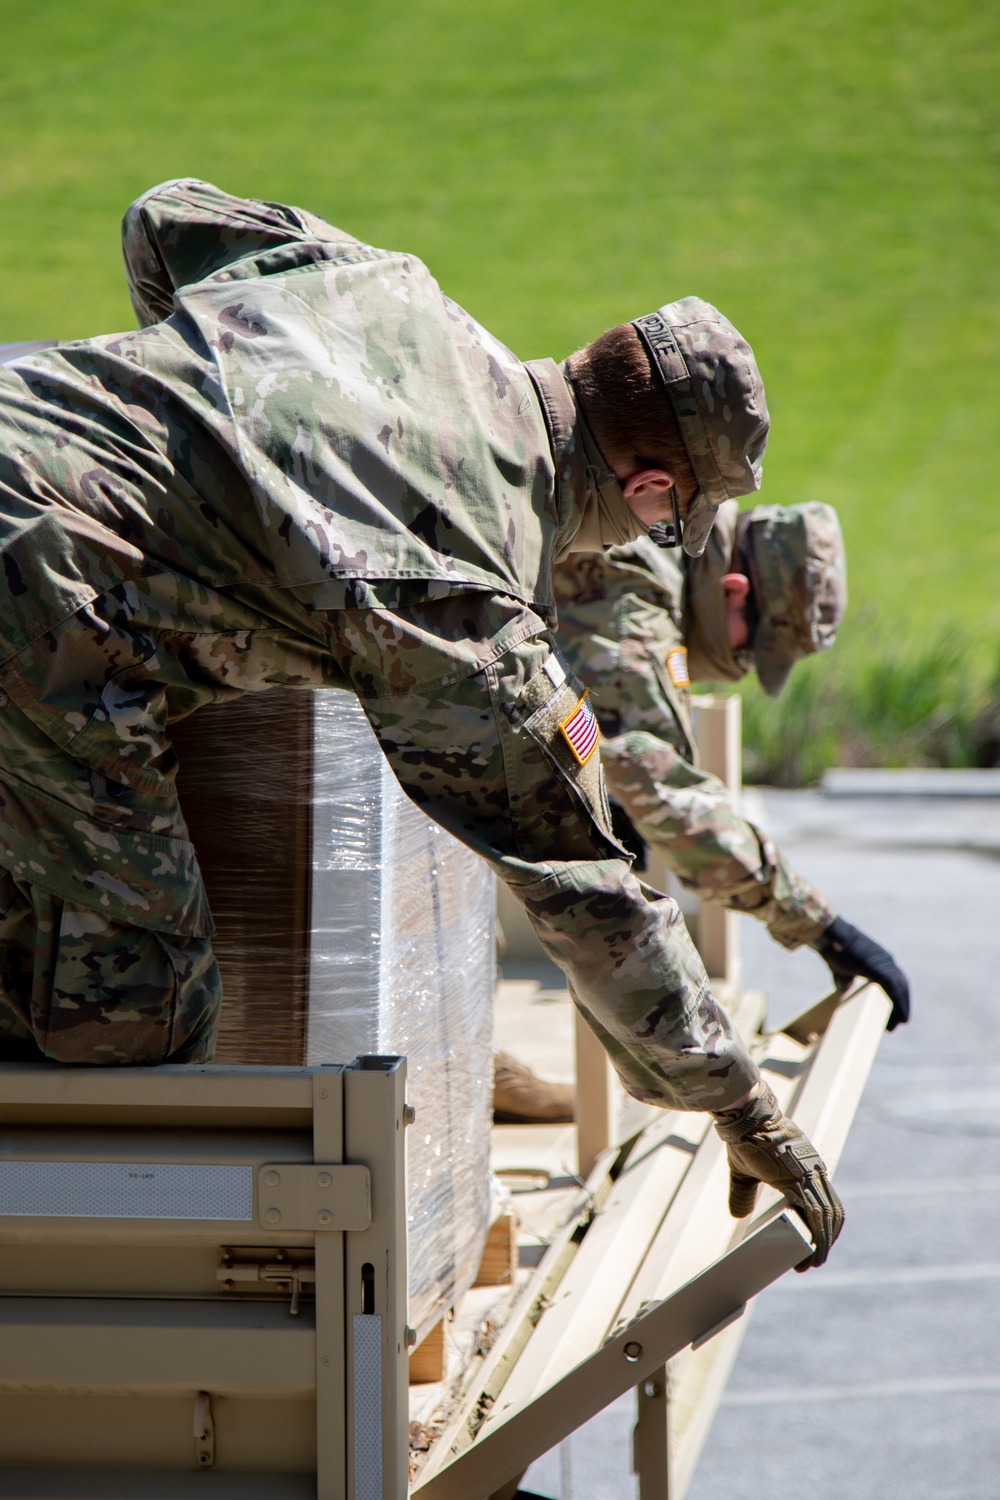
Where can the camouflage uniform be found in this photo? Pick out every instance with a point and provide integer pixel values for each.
(308, 468)
(636, 624)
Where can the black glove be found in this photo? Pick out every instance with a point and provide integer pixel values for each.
(849, 953)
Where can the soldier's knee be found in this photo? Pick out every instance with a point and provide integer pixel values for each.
(136, 997)
(83, 989)
(198, 1000)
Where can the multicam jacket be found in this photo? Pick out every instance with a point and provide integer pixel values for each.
(312, 468)
(626, 620)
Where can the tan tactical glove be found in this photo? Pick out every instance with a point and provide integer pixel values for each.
(764, 1146)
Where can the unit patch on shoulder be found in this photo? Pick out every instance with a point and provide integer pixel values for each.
(677, 666)
(581, 731)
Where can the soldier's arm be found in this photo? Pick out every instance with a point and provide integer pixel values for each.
(689, 817)
(183, 231)
(487, 759)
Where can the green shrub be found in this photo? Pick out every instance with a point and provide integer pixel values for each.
(877, 701)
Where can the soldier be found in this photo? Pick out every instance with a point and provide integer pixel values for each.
(311, 468)
(638, 623)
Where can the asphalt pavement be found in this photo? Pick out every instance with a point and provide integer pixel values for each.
(876, 1377)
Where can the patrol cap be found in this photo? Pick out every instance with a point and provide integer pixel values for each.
(799, 576)
(714, 386)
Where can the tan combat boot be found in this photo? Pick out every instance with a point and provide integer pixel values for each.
(521, 1098)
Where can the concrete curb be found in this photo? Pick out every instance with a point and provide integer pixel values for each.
(911, 782)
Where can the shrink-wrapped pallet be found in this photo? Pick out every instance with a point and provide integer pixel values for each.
(348, 922)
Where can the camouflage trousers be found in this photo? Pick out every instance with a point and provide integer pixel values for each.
(78, 987)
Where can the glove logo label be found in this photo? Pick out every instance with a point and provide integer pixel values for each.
(580, 731)
(677, 666)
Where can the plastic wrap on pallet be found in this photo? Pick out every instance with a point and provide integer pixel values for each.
(348, 923)
(402, 960)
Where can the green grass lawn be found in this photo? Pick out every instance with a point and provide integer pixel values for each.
(825, 172)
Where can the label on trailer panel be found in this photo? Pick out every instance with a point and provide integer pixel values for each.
(124, 1190)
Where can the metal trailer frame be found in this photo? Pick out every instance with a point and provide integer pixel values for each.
(224, 1313)
(203, 1259)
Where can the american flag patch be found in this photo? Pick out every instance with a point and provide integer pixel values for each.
(581, 731)
(677, 666)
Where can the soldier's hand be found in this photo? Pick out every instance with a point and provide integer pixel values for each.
(849, 954)
(765, 1146)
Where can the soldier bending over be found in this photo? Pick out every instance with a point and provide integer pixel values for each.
(311, 468)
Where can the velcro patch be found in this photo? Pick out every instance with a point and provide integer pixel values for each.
(581, 731)
(677, 666)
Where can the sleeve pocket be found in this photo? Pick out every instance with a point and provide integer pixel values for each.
(562, 722)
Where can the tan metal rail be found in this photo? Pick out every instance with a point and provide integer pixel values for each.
(652, 1265)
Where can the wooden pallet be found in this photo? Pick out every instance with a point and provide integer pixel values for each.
(497, 1268)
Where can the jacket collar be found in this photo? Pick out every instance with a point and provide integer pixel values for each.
(566, 441)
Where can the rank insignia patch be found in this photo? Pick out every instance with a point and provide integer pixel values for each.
(581, 731)
(677, 666)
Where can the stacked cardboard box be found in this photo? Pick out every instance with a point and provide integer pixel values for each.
(348, 922)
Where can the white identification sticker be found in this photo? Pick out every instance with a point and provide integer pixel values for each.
(554, 670)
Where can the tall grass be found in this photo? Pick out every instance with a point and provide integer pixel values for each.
(825, 173)
(882, 701)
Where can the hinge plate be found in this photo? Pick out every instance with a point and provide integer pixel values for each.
(314, 1198)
